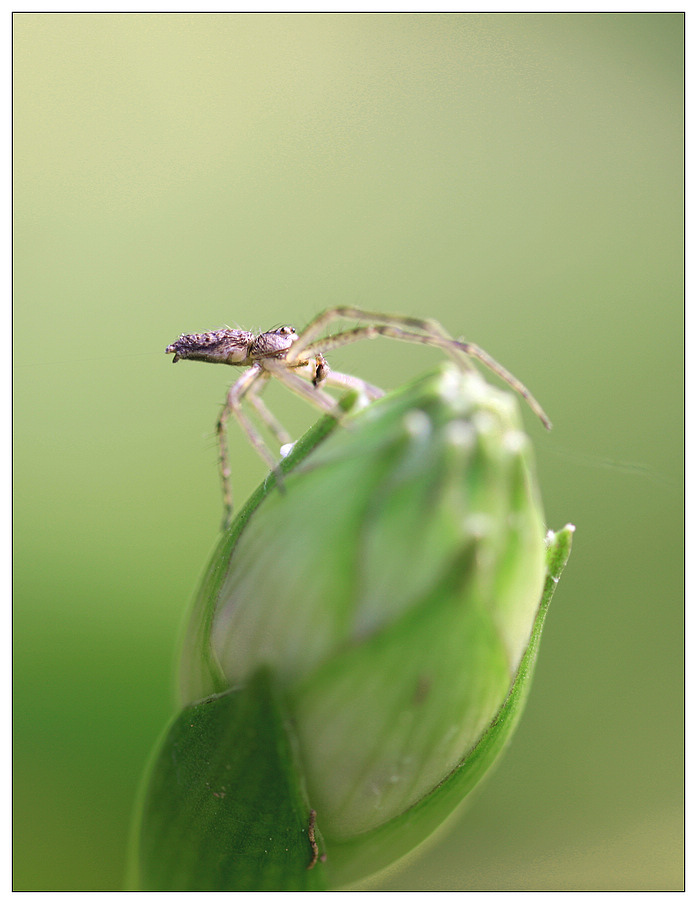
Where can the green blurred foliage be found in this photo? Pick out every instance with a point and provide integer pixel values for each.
(519, 177)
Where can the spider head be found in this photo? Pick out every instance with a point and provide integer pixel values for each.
(274, 343)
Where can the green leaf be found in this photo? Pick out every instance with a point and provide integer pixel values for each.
(224, 810)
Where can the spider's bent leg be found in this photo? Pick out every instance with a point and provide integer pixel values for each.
(314, 396)
(460, 351)
(478, 353)
(269, 420)
(316, 327)
(348, 381)
(233, 405)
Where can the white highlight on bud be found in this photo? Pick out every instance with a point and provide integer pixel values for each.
(515, 441)
(485, 422)
(459, 434)
(449, 389)
(417, 424)
(479, 525)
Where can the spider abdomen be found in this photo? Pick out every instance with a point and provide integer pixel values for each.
(215, 347)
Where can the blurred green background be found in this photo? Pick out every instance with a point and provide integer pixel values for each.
(518, 177)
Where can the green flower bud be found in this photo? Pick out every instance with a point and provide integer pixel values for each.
(391, 592)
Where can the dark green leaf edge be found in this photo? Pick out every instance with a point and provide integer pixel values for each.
(224, 808)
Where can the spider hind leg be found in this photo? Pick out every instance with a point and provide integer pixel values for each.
(406, 329)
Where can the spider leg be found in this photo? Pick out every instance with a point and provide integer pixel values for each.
(233, 405)
(320, 323)
(348, 381)
(269, 420)
(290, 378)
(407, 329)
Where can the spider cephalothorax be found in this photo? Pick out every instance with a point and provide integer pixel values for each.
(297, 359)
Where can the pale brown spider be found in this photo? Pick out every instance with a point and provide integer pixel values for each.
(294, 358)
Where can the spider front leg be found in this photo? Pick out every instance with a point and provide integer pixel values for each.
(339, 380)
(272, 424)
(233, 405)
(287, 374)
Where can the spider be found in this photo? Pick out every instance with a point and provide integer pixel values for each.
(297, 360)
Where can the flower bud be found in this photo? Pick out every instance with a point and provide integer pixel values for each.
(390, 589)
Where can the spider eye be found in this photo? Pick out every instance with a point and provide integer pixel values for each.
(287, 330)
